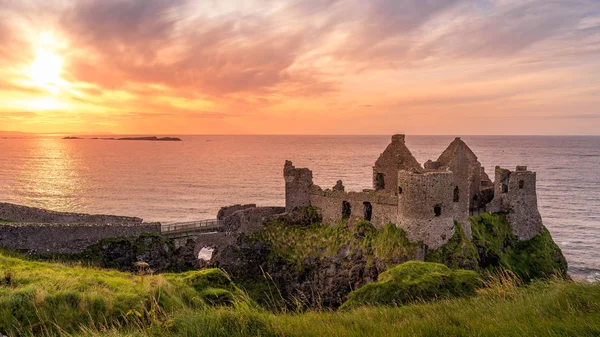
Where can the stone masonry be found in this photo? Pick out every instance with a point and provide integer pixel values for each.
(426, 201)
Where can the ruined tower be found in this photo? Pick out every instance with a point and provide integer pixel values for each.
(515, 195)
(298, 183)
(428, 207)
(395, 157)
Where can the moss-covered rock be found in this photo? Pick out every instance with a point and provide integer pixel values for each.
(415, 281)
(122, 254)
(539, 257)
(494, 246)
(458, 252)
(316, 264)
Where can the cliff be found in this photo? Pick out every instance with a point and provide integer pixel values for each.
(321, 264)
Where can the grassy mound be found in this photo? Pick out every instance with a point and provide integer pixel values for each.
(42, 297)
(414, 282)
(495, 247)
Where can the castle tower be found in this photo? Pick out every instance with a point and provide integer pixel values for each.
(461, 160)
(428, 206)
(515, 195)
(298, 183)
(395, 157)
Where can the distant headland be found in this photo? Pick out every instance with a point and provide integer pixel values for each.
(150, 138)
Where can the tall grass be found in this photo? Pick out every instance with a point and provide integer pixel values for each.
(551, 308)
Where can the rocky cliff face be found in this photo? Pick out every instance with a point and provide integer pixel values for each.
(296, 259)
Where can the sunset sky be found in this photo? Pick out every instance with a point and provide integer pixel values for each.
(300, 67)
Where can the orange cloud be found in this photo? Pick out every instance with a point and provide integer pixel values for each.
(312, 66)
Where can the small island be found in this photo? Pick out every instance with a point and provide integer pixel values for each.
(147, 138)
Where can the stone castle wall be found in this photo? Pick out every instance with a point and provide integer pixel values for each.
(18, 213)
(383, 206)
(515, 194)
(426, 207)
(72, 238)
(298, 183)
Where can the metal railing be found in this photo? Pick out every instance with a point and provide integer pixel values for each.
(191, 226)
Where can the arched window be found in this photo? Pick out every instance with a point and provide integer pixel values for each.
(368, 210)
(456, 194)
(346, 210)
(379, 181)
(400, 190)
(437, 210)
(521, 184)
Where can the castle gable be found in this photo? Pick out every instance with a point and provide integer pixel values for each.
(457, 151)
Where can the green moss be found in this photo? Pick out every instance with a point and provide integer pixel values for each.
(414, 282)
(458, 252)
(495, 247)
(539, 257)
(318, 241)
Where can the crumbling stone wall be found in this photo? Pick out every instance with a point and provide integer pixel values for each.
(229, 210)
(426, 207)
(459, 159)
(515, 194)
(249, 220)
(395, 157)
(66, 238)
(19, 213)
(298, 183)
(331, 203)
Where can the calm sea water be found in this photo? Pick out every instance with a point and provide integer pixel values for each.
(191, 180)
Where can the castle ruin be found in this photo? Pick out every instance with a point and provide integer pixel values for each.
(426, 201)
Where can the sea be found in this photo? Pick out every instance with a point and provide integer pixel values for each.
(192, 179)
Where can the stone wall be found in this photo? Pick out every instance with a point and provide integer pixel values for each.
(249, 220)
(18, 213)
(72, 238)
(330, 202)
(426, 207)
(395, 157)
(229, 210)
(298, 183)
(515, 194)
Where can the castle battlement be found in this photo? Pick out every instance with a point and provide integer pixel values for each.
(426, 201)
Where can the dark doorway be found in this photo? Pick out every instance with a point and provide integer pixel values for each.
(456, 194)
(521, 184)
(379, 182)
(368, 210)
(437, 210)
(346, 210)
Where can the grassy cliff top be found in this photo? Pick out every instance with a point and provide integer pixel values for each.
(45, 299)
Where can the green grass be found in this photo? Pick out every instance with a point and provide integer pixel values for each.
(46, 299)
(390, 245)
(413, 282)
(38, 297)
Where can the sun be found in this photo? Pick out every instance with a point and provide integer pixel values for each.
(45, 70)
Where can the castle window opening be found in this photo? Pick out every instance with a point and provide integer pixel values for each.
(346, 210)
(400, 190)
(368, 210)
(521, 184)
(379, 182)
(437, 210)
(504, 188)
(456, 194)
